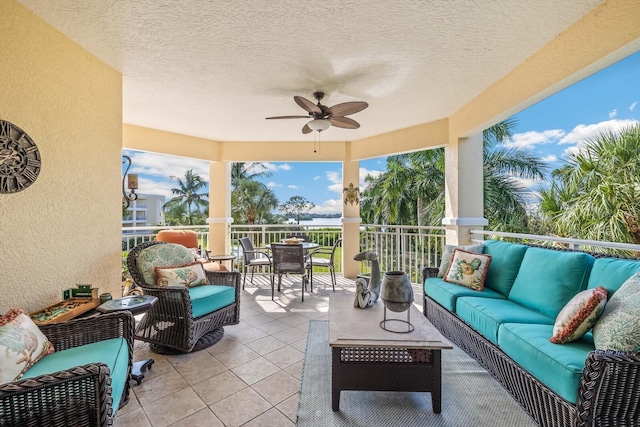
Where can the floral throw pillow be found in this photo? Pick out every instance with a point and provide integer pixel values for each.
(579, 315)
(21, 345)
(468, 269)
(619, 326)
(448, 251)
(189, 275)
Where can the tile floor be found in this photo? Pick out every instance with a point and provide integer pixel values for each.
(250, 378)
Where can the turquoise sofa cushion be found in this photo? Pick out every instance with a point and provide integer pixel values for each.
(559, 366)
(208, 298)
(548, 279)
(113, 352)
(485, 315)
(446, 294)
(505, 263)
(612, 273)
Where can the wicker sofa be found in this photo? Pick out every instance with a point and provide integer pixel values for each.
(82, 383)
(507, 326)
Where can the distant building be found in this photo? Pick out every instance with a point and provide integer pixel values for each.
(145, 212)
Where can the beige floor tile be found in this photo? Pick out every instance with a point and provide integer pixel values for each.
(135, 418)
(278, 387)
(304, 326)
(235, 329)
(131, 405)
(272, 327)
(196, 366)
(300, 344)
(296, 369)
(257, 319)
(217, 388)
(171, 409)
(271, 418)
(249, 334)
(246, 312)
(294, 319)
(290, 335)
(256, 370)
(240, 408)
(159, 387)
(285, 356)
(227, 343)
(237, 356)
(290, 407)
(160, 365)
(202, 418)
(266, 345)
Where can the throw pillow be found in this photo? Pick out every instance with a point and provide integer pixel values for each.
(188, 275)
(21, 345)
(579, 315)
(445, 261)
(468, 269)
(619, 326)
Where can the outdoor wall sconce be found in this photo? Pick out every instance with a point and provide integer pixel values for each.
(351, 194)
(132, 184)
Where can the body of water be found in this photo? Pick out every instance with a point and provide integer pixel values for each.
(337, 222)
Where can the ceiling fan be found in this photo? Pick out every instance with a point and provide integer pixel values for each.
(322, 117)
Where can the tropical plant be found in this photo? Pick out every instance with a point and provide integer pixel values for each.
(189, 206)
(248, 171)
(411, 190)
(596, 196)
(252, 202)
(296, 205)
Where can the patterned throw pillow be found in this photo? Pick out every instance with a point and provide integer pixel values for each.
(445, 261)
(21, 345)
(619, 326)
(162, 255)
(468, 269)
(579, 315)
(188, 275)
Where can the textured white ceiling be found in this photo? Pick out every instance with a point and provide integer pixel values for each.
(216, 69)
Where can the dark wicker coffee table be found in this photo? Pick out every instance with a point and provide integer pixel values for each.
(366, 357)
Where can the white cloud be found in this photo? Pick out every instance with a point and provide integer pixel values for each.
(532, 138)
(550, 158)
(363, 172)
(285, 167)
(315, 178)
(328, 206)
(272, 184)
(613, 114)
(632, 106)
(293, 187)
(581, 133)
(164, 166)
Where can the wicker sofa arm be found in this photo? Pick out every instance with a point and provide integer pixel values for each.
(429, 272)
(609, 389)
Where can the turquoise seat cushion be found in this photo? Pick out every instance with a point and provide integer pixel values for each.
(559, 366)
(505, 263)
(208, 298)
(446, 294)
(548, 279)
(113, 352)
(612, 273)
(162, 255)
(485, 315)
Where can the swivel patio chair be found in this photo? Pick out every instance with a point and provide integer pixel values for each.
(184, 319)
(287, 258)
(189, 238)
(314, 259)
(252, 258)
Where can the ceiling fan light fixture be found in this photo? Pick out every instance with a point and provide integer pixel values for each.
(319, 125)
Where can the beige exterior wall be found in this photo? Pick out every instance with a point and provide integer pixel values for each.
(65, 228)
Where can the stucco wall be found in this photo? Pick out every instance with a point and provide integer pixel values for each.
(65, 228)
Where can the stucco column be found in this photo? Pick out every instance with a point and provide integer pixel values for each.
(219, 208)
(350, 220)
(464, 194)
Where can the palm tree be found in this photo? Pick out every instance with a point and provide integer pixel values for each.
(247, 171)
(597, 195)
(411, 191)
(252, 201)
(188, 196)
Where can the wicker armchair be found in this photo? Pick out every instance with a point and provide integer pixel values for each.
(80, 396)
(170, 326)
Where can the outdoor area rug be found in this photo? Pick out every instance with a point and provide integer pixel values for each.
(470, 395)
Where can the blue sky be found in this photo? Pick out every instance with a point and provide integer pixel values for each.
(609, 99)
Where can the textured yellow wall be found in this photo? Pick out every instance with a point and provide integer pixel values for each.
(65, 228)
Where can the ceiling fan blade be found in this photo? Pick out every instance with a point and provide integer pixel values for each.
(287, 117)
(307, 105)
(344, 122)
(306, 129)
(347, 108)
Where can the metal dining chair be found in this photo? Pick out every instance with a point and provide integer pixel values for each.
(253, 258)
(315, 260)
(287, 258)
